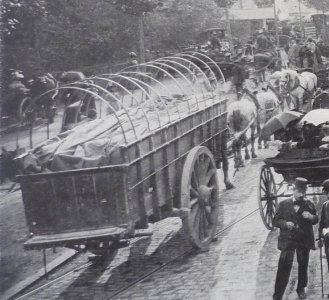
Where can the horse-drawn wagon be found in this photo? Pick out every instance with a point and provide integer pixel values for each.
(164, 165)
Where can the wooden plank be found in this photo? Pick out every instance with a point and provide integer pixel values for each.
(73, 236)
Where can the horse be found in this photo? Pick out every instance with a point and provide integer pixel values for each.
(298, 86)
(268, 105)
(241, 116)
(8, 166)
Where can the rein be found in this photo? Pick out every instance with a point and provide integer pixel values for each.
(297, 85)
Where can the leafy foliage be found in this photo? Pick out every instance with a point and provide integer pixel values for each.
(264, 3)
(136, 7)
(322, 5)
(18, 14)
(224, 3)
(96, 36)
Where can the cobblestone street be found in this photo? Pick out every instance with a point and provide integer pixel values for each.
(241, 264)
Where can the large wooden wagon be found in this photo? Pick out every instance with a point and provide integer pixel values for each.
(171, 171)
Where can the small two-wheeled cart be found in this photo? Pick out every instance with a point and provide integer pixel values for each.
(312, 164)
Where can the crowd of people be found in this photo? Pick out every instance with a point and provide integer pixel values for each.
(304, 54)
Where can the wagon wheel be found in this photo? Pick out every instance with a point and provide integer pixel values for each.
(199, 195)
(267, 200)
(23, 109)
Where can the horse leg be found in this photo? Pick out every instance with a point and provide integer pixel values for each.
(266, 144)
(253, 153)
(246, 151)
(227, 181)
(235, 153)
(259, 139)
(238, 157)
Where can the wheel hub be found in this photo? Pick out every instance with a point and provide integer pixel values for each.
(204, 195)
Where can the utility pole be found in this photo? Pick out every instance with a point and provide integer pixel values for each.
(276, 26)
(300, 19)
(141, 39)
(229, 31)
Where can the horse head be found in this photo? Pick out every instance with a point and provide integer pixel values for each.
(8, 166)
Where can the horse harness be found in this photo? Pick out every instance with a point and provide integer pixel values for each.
(297, 85)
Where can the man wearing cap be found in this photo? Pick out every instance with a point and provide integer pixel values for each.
(295, 217)
(324, 220)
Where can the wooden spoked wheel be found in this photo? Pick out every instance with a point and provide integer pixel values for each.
(199, 195)
(267, 200)
(23, 109)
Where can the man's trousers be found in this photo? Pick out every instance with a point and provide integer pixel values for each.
(284, 269)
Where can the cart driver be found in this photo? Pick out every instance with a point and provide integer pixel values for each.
(324, 221)
(16, 87)
(215, 42)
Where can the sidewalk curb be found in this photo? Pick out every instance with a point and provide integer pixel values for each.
(23, 285)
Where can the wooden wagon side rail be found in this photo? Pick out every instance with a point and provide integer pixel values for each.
(179, 157)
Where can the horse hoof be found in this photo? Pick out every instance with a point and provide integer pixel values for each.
(247, 157)
(254, 155)
(229, 185)
(260, 147)
(266, 146)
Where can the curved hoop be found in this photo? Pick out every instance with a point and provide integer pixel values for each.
(199, 69)
(158, 82)
(99, 97)
(142, 88)
(168, 74)
(215, 64)
(126, 90)
(168, 62)
(71, 86)
(180, 73)
(204, 63)
(190, 83)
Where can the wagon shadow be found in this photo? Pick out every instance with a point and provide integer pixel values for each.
(103, 280)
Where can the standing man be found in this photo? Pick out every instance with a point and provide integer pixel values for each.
(324, 221)
(293, 55)
(238, 73)
(263, 43)
(295, 217)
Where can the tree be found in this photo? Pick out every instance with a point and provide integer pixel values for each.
(224, 3)
(19, 28)
(18, 14)
(138, 8)
(322, 5)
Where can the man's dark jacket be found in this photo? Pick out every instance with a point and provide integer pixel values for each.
(324, 220)
(300, 237)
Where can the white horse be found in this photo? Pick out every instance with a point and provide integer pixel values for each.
(268, 105)
(300, 87)
(275, 86)
(242, 115)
